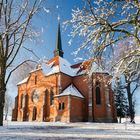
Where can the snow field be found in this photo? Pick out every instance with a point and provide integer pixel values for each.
(69, 131)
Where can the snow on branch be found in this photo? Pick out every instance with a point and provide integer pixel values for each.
(102, 25)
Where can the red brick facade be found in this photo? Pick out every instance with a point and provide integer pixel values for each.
(64, 95)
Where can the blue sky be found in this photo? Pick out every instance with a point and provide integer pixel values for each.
(49, 23)
(46, 24)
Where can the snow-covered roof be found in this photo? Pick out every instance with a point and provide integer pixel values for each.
(23, 81)
(81, 68)
(71, 90)
(58, 64)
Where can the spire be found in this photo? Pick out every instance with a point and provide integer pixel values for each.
(58, 50)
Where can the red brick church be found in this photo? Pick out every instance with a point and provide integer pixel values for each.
(59, 91)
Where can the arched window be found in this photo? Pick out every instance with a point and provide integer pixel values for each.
(98, 94)
(51, 96)
(35, 79)
(46, 97)
(34, 116)
(22, 101)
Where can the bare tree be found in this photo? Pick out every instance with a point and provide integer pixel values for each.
(15, 23)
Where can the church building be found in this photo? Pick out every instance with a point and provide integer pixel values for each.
(58, 91)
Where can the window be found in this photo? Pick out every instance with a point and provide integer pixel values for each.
(51, 96)
(59, 106)
(63, 106)
(35, 79)
(35, 96)
(98, 94)
(51, 99)
(22, 101)
(46, 97)
(34, 116)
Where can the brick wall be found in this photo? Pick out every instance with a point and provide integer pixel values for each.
(77, 109)
(62, 114)
(81, 83)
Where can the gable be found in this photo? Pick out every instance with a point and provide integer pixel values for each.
(71, 90)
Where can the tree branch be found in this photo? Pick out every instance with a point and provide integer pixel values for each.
(31, 52)
(17, 68)
(134, 89)
(24, 31)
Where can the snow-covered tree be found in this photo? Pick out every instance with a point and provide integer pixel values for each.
(120, 100)
(102, 23)
(15, 23)
(129, 69)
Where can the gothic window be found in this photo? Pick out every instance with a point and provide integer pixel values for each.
(34, 115)
(51, 96)
(98, 94)
(22, 101)
(35, 79)
(46, 97)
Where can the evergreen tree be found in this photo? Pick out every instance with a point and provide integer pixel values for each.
(120, 100)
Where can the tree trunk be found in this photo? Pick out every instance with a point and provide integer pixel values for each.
(130, 102)
(6, 113)
(2, 99)
(2, 91)
(120, 119)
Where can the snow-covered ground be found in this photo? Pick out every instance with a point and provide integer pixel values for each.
(68, 131)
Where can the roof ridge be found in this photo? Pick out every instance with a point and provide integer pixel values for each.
(68, 92)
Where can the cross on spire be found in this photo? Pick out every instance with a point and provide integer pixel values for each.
(58, 18)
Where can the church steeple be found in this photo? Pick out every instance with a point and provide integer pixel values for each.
(58, 50)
